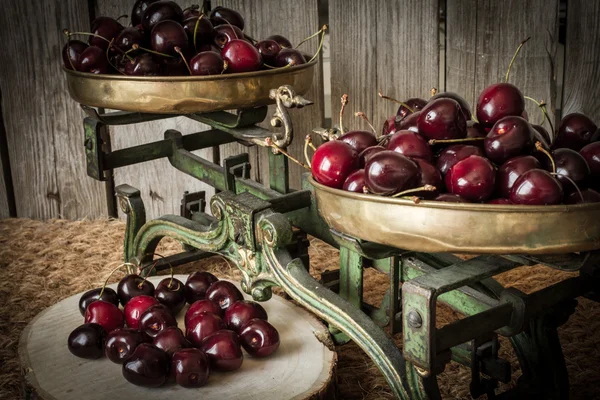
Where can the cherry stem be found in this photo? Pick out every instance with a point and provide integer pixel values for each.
(312, 36)
(69, 34)
(112, 272)
(323, 30)
(108, 58)
(178, 50)
(269, 142)
(291, 64)
(205, 7)
(307, 143)
(572, 182)
(344, 100)
(438, 141)
(231, 26)
(196, 31)
(513, 59)
(427, 188)
(433, 91)
(136, 46)
(540, 147)
(225, 66)
(154, 265)
(542, 106)
(193, 7)
(396, 101)
(254, 41)
(364, 117)
(122, 16)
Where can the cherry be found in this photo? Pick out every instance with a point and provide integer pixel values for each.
(451, 198)
(121, 343)
(281, 40)
(569, 164)
(498, 101)
(389, 126)
(170, 340)
(511, 170)
(591, 154)
(106, 314)
(191, 12)
(87, 341)
(410, 122)
(410, 144)
(105, 27)
(168, 35)
(499, 201)
(202, 325)
(208, 47)
(174, 66)
(241, 56)
(359, 140)
(190, 368)
(542, 135)
(133, 285)
(90, 296)
(259, 338)
(71, 53)
(225, 34)
(136, 307)
(587, 196)
(268, 49)
(142, 65)
(574, 132)
(242, 312)
(536, 187)
(224, 294)
(428, 175)
(93, 59)
(333, 162)
(223, 15)
(155, 319)
(171, 293)
(453, 154)
(223, 350)
(415, 104)
(475, 130)
(355, 182)
(207, 63)
(197, 284)
(289, 57)
(161, 11)
(147, 366)
(205, 32)
(510, 137)
(388, 172)
(464, 106)
(442, 119)
(128, 37)
(138, 10)
(199, 307)
(472, 178)
(367, 153)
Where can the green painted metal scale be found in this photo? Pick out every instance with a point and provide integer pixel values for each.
(263, 230)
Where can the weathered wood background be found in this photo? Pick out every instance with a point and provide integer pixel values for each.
(400, 47)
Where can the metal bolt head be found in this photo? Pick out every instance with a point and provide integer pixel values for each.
(414, 319)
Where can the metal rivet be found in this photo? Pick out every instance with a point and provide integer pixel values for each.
(414, 319)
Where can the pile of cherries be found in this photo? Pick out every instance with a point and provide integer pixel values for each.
(165, 40)
(152, 349)
(436, 150)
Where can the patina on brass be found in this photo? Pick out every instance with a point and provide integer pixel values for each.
(461, 228)
(186, 94)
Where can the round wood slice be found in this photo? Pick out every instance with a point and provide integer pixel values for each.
(302, 367)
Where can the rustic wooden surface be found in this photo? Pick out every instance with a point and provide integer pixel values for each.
(301, 367)
(43, 125)
(582, 75)
(481, 38)
(4, 190)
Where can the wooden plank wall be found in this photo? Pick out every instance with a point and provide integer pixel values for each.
(5, 187)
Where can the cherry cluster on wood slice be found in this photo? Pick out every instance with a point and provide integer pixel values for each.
(438, 149)
(143, 336)
(166, 40)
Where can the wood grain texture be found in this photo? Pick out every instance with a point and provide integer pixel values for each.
(43, 125)
(582, 57)
(481, 38)
(4, 211)
(4, 189)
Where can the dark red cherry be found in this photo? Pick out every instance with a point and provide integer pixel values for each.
(90, 296)
(499, 201)
(464, 106)
(511, 170)
(161, 11)
(133, 285)
(71, 53)
(202, 325)
(453, 154)
(148, 366)
(170, 340)
(223, 350)
(205, 32)
(93, 60)
(428, 175)
(510, 137)
(473, 178)
(190, 367)
(128, 37)
(451, 198)
(225, 34)
(333, 162)
(591, 154)
(586, 196)
(442, 119)
(359, 140)
(135, 308)
(174, 66)
(192, 11)
(355, 182)
(569, 164)
(415, 104)
(536, 187)
(105, 314)
(409, 123)
(268, 49)
(281, 40)
(87, 341)
(208, 47)
(138, 10)
(155, 319)
(222, 15)
(202, 306)
(121, 343)
(288, 57)
(542, 135)
(106, 27)
(574, 132)
(367, 153)
(166, 36)
(197, 284)
(241, 56)
(224, 294)
(498, 101)
(388, 172)
(142, 65)
(241, 312)
(389, 126)
(475, 130)
(259, 338)
(170, 292)
(410, 144)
